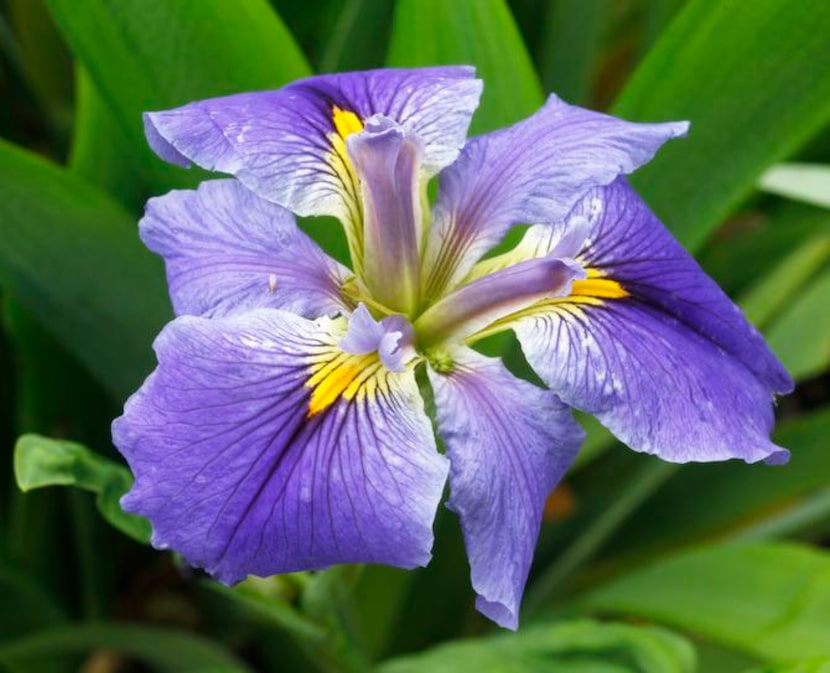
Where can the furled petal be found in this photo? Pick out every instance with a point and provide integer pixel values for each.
(509, 443)
(476, 305)
(259, 447)
(534, 171)
(229, 251)
(289, 145)
(387, 161)
(652, 346)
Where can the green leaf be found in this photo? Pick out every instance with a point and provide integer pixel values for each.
(720, 66)
(710, 501)
(73, 257)
(816, 666)
(804, 182)
(476, 32)
(25, 607)
(165, 650)
(566, 647)
(101, 152)
(153, 54)
(801, 336)
(571, 45)
(360, 36)
(776, 289)
(41, 461)
(771, 601)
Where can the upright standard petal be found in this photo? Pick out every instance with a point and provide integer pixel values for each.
(289, 145)
(228, 251)
(534, 171)
(652, 346)
(387, 161)
(259, 447)
(509, 443)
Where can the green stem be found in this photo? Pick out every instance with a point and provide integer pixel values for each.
(585, 547)
(813, 510)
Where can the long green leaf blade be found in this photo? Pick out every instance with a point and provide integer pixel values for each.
(73, 257)
(480, 33)
(744, 74)
(154, 54)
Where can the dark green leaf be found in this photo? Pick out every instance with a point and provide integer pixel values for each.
(154, 54)
(40, 461)
(73, 257)
(479, 33)
(571, 46)
(771, 601)
(583, 646)
(709, 501)
(744, 73)
(164, 650)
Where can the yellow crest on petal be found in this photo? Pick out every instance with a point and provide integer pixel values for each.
(345, 122)
(340, 374)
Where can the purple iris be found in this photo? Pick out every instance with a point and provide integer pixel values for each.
(284, 430)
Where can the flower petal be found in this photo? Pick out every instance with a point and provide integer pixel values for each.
(229, 251)
(387, 160)
(652, 346)
(509, 443)
(534, 171)
(260, 448)
(289, 145)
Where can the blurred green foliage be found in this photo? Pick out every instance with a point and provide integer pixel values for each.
(731, 558)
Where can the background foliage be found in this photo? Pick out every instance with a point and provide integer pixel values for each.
(642, 567)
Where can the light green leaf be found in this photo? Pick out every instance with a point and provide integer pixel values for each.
(584, 646)
(41, 461)
(804, 182)
(165, 650)
(720, 66)
(154, 54)
(816, 666)
(475, 32)
(73, 257)
(775, 290)
(801, 335)
(771, 601)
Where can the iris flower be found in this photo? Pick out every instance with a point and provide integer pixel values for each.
(284, 428)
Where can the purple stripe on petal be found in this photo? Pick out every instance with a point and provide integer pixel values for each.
(509, 443)
(283, 144)
(229, 251)
(534, 171)
(236, 475)
(629, 244)
(672, 368)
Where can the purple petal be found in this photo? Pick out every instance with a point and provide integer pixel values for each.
(387, 161)
(241, 471)
(284, 144)
(228, 251)
(509, 443)
(392, 338)
(672, 367)
(534, 171)
(480, 303)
